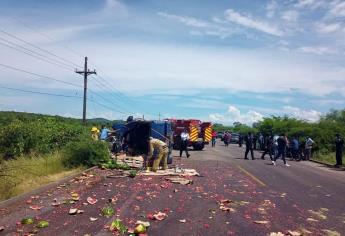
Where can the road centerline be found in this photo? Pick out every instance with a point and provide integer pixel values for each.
(252, 176)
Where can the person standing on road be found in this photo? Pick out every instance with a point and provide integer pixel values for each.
(261, 142)
(184, 143)
(275, 145)
(295, 149)
(225, 138)
(339, 147)
(255, 139)
(249, 146)
(308, 146)
(282, 144)
(214, 137)
(240, 140)
(267, 146)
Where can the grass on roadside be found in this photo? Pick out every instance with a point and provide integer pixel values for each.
(25, 174)
(326, 158)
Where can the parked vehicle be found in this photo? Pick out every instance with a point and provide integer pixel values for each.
(200, 133)
(220, 135)
(235, 137)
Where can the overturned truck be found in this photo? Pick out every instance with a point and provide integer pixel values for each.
(136, 135)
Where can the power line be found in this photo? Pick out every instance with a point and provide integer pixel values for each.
(37, 47)
(116, 98)
(118, 93)
(47, 37)
(58, 95)
(107, 107)
(129, 100)
(37, 92)
(40, 76)
(111, 86)
(37, 57)
(109, 102)
(38, 54)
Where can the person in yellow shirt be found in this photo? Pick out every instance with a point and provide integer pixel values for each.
(94, 133)
(162, 149)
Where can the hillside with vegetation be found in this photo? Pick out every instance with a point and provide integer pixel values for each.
(37, 149)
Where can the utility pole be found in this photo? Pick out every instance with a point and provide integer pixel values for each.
(86, 72)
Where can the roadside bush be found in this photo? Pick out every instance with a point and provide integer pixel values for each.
(42, 135)
(85, 152)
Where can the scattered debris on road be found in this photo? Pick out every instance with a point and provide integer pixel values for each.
(179, 180)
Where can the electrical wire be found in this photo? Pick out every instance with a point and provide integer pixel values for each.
(30, 54)
(40, 76)
(58, 95)
(124, 108)
(69, 49)
(36, 53)
(37, 92)
(37, 47)
(115, 92)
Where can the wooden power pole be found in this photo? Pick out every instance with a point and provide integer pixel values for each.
(86, 72)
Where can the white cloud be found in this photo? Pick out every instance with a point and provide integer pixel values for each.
(234, 115)
(114, 8)
(233, 16)
(317, 50)
(139, 67)
(328, 28)
(312, 4)
(189, 21)
(205, 28)
(290, 16)
(308, 115)
(337, 8)
(271, 8)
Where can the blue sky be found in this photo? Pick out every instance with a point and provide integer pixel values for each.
(224, 61)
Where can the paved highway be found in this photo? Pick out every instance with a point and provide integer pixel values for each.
(304, 198)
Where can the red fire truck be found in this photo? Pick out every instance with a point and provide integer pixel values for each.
(200, 133)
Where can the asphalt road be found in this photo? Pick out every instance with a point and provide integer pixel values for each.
(306, 197)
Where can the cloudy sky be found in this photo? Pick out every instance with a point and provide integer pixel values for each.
(224, 61)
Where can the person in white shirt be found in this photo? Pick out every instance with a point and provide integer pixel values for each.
(308, 146)
(184, 143)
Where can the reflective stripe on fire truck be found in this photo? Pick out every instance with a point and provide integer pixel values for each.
(193, 133)
(208, 134)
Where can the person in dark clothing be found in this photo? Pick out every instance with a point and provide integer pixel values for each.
(254, 141)
(214, 137)
(339, 147)
(240, 140)
(295, 149)
(267, 146)
(282, 144)
(227, 138)
(249, 146)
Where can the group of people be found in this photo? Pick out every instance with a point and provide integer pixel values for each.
(278, 147)
(281, 146)
(102, 134)
(226, 138)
